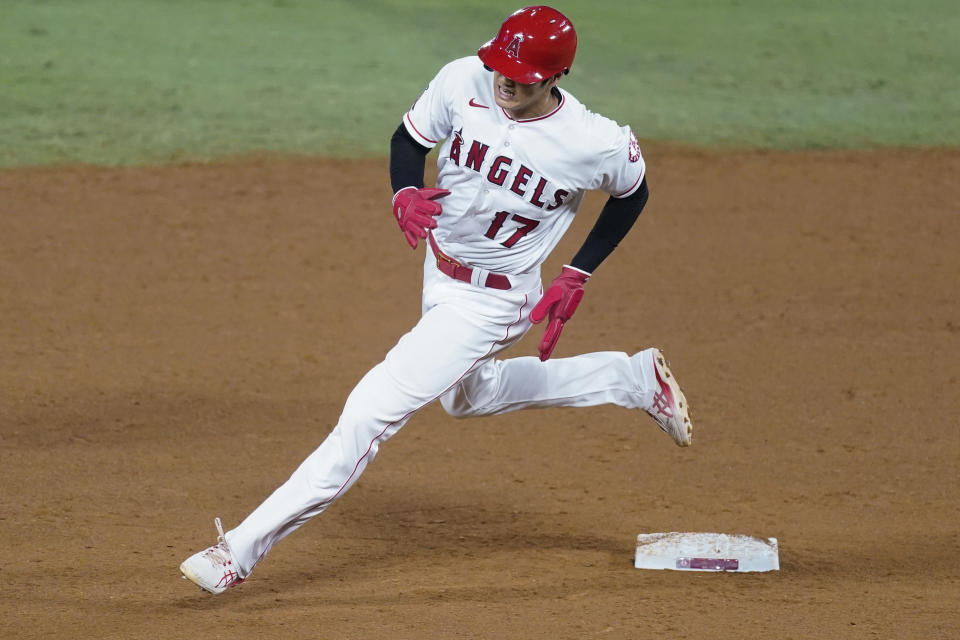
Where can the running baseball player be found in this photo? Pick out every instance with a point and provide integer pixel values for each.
(517, 155)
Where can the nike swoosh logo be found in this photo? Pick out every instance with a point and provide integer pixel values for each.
(473, 103)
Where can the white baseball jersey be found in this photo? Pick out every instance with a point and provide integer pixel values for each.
(515, 184)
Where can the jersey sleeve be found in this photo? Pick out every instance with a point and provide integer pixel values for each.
(429, 119)
(621, 168)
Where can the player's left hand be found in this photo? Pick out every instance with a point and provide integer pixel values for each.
(559, 302)
(415, 210)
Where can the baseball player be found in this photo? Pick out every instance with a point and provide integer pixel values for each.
(517, 155)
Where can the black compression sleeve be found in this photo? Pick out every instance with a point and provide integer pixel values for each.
(615, 220)
(407, 160)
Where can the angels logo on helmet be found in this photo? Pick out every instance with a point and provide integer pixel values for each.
(513, 49)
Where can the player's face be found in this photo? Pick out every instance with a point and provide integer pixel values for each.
(523, 101)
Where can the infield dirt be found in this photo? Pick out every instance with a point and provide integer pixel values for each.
(176, 340)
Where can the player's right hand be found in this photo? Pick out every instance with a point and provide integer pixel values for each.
(415, 210)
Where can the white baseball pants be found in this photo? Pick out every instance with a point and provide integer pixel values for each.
(447, 355)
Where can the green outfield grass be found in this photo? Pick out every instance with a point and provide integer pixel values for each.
(144, 81)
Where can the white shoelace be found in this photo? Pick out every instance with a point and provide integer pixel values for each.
(221, 553)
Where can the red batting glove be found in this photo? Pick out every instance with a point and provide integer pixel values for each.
(415, 209)
(559, 302)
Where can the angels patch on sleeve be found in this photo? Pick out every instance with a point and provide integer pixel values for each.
(633, 151)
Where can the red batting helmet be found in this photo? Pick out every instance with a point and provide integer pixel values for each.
(533, 44)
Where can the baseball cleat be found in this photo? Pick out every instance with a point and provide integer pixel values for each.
(669, 408)
(212, 569)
